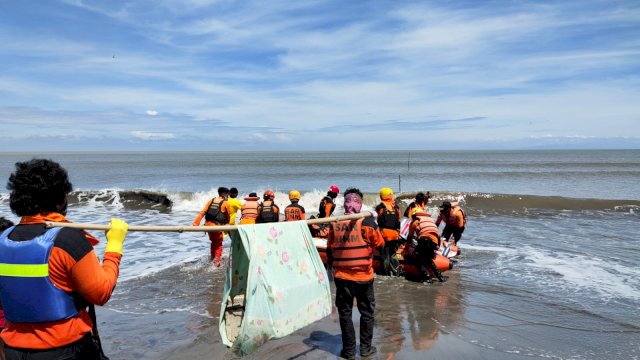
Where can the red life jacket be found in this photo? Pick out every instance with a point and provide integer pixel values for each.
(250, 209)
(349, 249)
(427, 228)
(215, 214)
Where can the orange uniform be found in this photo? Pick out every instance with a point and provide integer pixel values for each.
(219, 217)
(368, 234)
(73, 267)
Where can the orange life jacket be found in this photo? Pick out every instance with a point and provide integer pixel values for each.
(449, 220)
(215, 214)
(293, 212)
(348, 248)
(427, 228)
(250, 209)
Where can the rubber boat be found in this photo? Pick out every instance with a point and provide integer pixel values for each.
(444, 258)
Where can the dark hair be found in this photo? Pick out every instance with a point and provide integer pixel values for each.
(420, 198)
(233, 192)
(253, 195)
(222, 190)
(5, 224)
(332, 195)
(445, 205)
(353, 191)
(38, 186)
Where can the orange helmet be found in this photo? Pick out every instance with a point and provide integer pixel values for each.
(269, 195)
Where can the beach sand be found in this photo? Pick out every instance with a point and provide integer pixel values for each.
(413, 321)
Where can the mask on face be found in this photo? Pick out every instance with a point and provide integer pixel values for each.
(352, 204)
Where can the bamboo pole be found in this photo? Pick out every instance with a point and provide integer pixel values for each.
(180, 229)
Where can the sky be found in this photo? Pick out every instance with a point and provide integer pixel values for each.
(211, 75)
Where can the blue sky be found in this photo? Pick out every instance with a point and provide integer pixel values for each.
(318, 75)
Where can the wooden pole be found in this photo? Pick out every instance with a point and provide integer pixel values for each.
(51, 224)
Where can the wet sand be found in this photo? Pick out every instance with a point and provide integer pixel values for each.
(413, 321)
(174, 315)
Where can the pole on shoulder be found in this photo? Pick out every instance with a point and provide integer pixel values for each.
(85, 226)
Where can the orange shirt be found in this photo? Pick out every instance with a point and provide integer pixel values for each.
(371, 234)
(73, 267)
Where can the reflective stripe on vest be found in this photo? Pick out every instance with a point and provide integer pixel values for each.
(427, 228)
(349, 249)
(27, 293)
(250, 210)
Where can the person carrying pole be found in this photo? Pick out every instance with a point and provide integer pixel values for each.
(49, 277)
(215, 212)
(350, 252)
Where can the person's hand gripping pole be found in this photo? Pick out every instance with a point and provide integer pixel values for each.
(116, 235)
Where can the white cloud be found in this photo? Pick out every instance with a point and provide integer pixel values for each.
(152, 112)
(148, 135)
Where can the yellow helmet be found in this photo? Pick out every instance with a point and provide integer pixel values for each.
(386, 193)
(294, 195)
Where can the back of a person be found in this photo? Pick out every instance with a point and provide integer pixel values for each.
(268, 212)
(249, 211)
(294, 212)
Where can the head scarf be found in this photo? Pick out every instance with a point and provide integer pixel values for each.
(352, 203)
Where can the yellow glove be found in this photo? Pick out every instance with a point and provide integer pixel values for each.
(115, 235)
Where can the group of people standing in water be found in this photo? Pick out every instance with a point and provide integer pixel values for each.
(350, 244)
(51, 278)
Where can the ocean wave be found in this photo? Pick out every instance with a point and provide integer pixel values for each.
(474, 203)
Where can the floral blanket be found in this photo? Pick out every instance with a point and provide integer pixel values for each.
(278, 270)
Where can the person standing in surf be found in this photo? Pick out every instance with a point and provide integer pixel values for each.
(215, 213)
(327, 204)
(455, 220)
(268, 211)
(51, 276)
(249, 211)
(419, 204)
(295, 211)
(350, 252)
(234, 205)
(389, 222)
(427, 234)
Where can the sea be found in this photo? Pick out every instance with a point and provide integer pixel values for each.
(549, 265)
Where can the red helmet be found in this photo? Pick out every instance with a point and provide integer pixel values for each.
(334, 189)
(268, 194)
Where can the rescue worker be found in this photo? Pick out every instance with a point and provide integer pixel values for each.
(327, 204)
(268, 211)
(350, 252)
(234, 205)
(215, 213)
(50, 276)
(455, 220)
(389, 223)
(294, 212)
(427, 234)
(419, 204)
(249, 211)
(4, 225)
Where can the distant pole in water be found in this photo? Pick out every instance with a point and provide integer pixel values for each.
(399, 184)
(409, 162)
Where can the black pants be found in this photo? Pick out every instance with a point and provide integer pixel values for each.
(425, 253)
(452, 230)
(390, 262)
(83, 349)
(346, 290)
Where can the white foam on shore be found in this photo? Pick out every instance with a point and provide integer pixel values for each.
(609, 280)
